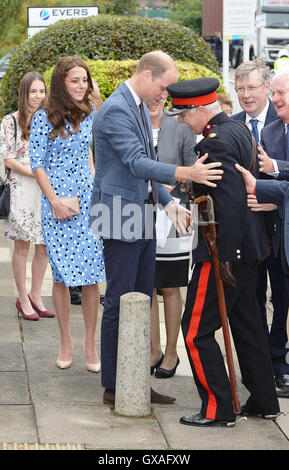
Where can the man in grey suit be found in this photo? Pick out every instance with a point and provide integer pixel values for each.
(126, 187)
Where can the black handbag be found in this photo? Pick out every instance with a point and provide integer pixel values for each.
(5, 187)
(5, 196)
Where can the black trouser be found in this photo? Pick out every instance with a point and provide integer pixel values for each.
(200, 321)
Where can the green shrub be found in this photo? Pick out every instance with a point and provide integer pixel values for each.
(109, 74)
(101, 37)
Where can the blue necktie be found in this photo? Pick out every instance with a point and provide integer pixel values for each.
(154, 184)
(254, 124)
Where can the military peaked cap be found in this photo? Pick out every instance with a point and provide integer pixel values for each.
(191, 94)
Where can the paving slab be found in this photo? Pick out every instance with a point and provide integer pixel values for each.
(18, 424)
(253, 434)
(11, 357)
(97, 427)
(14, 388)
(65, 387)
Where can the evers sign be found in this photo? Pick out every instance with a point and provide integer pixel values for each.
(46, 16)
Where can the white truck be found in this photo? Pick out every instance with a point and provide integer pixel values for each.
(274, 30)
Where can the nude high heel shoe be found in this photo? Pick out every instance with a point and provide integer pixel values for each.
(63, 364)
(94, 367)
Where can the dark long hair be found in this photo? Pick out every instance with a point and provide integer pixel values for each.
(60, 105)
(24, 113)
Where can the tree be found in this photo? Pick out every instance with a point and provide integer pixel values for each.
(187, 13)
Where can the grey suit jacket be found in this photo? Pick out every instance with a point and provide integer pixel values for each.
(175, 142)
(123, 169)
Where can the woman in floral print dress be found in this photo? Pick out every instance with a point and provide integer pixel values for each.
(24, 222)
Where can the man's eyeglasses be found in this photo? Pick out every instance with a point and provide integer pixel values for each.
(250, 88)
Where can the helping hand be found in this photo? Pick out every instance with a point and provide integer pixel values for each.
(250, 181)
(255, 206)
(200, 172)
(180, 216)
(265, 162)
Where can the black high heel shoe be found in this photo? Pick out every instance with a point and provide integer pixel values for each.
(157, 364)
(166, 374)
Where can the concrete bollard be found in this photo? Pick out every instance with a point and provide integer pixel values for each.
(132, 393)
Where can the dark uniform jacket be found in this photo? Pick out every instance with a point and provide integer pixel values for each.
(241, 232)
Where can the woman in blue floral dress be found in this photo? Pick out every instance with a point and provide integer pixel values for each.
(60, 141)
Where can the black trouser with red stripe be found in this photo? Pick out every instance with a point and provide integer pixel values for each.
(200, 321)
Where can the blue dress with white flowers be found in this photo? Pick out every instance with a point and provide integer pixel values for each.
(75, 253)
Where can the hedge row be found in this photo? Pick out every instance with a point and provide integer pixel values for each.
(109, 74)
(101, 37)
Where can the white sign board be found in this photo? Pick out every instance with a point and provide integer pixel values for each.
(260, 21)
(275, 3)
(238, 19)
(40, 18)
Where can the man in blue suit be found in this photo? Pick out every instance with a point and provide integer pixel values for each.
(271, 192)
(274, 160)
(126, 190)
(253, 84)
(252, 80)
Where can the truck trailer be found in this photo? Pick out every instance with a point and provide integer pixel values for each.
(274, 34)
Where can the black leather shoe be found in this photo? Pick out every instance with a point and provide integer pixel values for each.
(245, 412)
(157, 364)
(282, 381)
(161, 373)
(75, 295)
(109, 398)
(199, 420)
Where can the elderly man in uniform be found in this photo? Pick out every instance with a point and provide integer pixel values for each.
(241, 244)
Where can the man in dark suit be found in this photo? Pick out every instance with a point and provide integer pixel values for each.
(126, 186)
(271, 192)
(252, 80)
(241, 244)
(274, 160)
(253, 84)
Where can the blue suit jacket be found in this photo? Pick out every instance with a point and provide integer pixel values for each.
(270, 116)
(277, 192)
(273, 140)
(123, 169)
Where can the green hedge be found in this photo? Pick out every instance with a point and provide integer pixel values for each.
(109, 74)
(101, 37)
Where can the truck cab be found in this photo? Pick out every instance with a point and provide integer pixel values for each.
(275, 34)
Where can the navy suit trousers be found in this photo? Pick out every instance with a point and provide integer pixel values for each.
(129, 267)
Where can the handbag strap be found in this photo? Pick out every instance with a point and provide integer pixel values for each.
(15, 136)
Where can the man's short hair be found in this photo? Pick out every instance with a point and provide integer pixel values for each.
(247, 67)
(158, 62)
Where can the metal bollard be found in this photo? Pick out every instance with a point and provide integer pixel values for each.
(132, 394)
